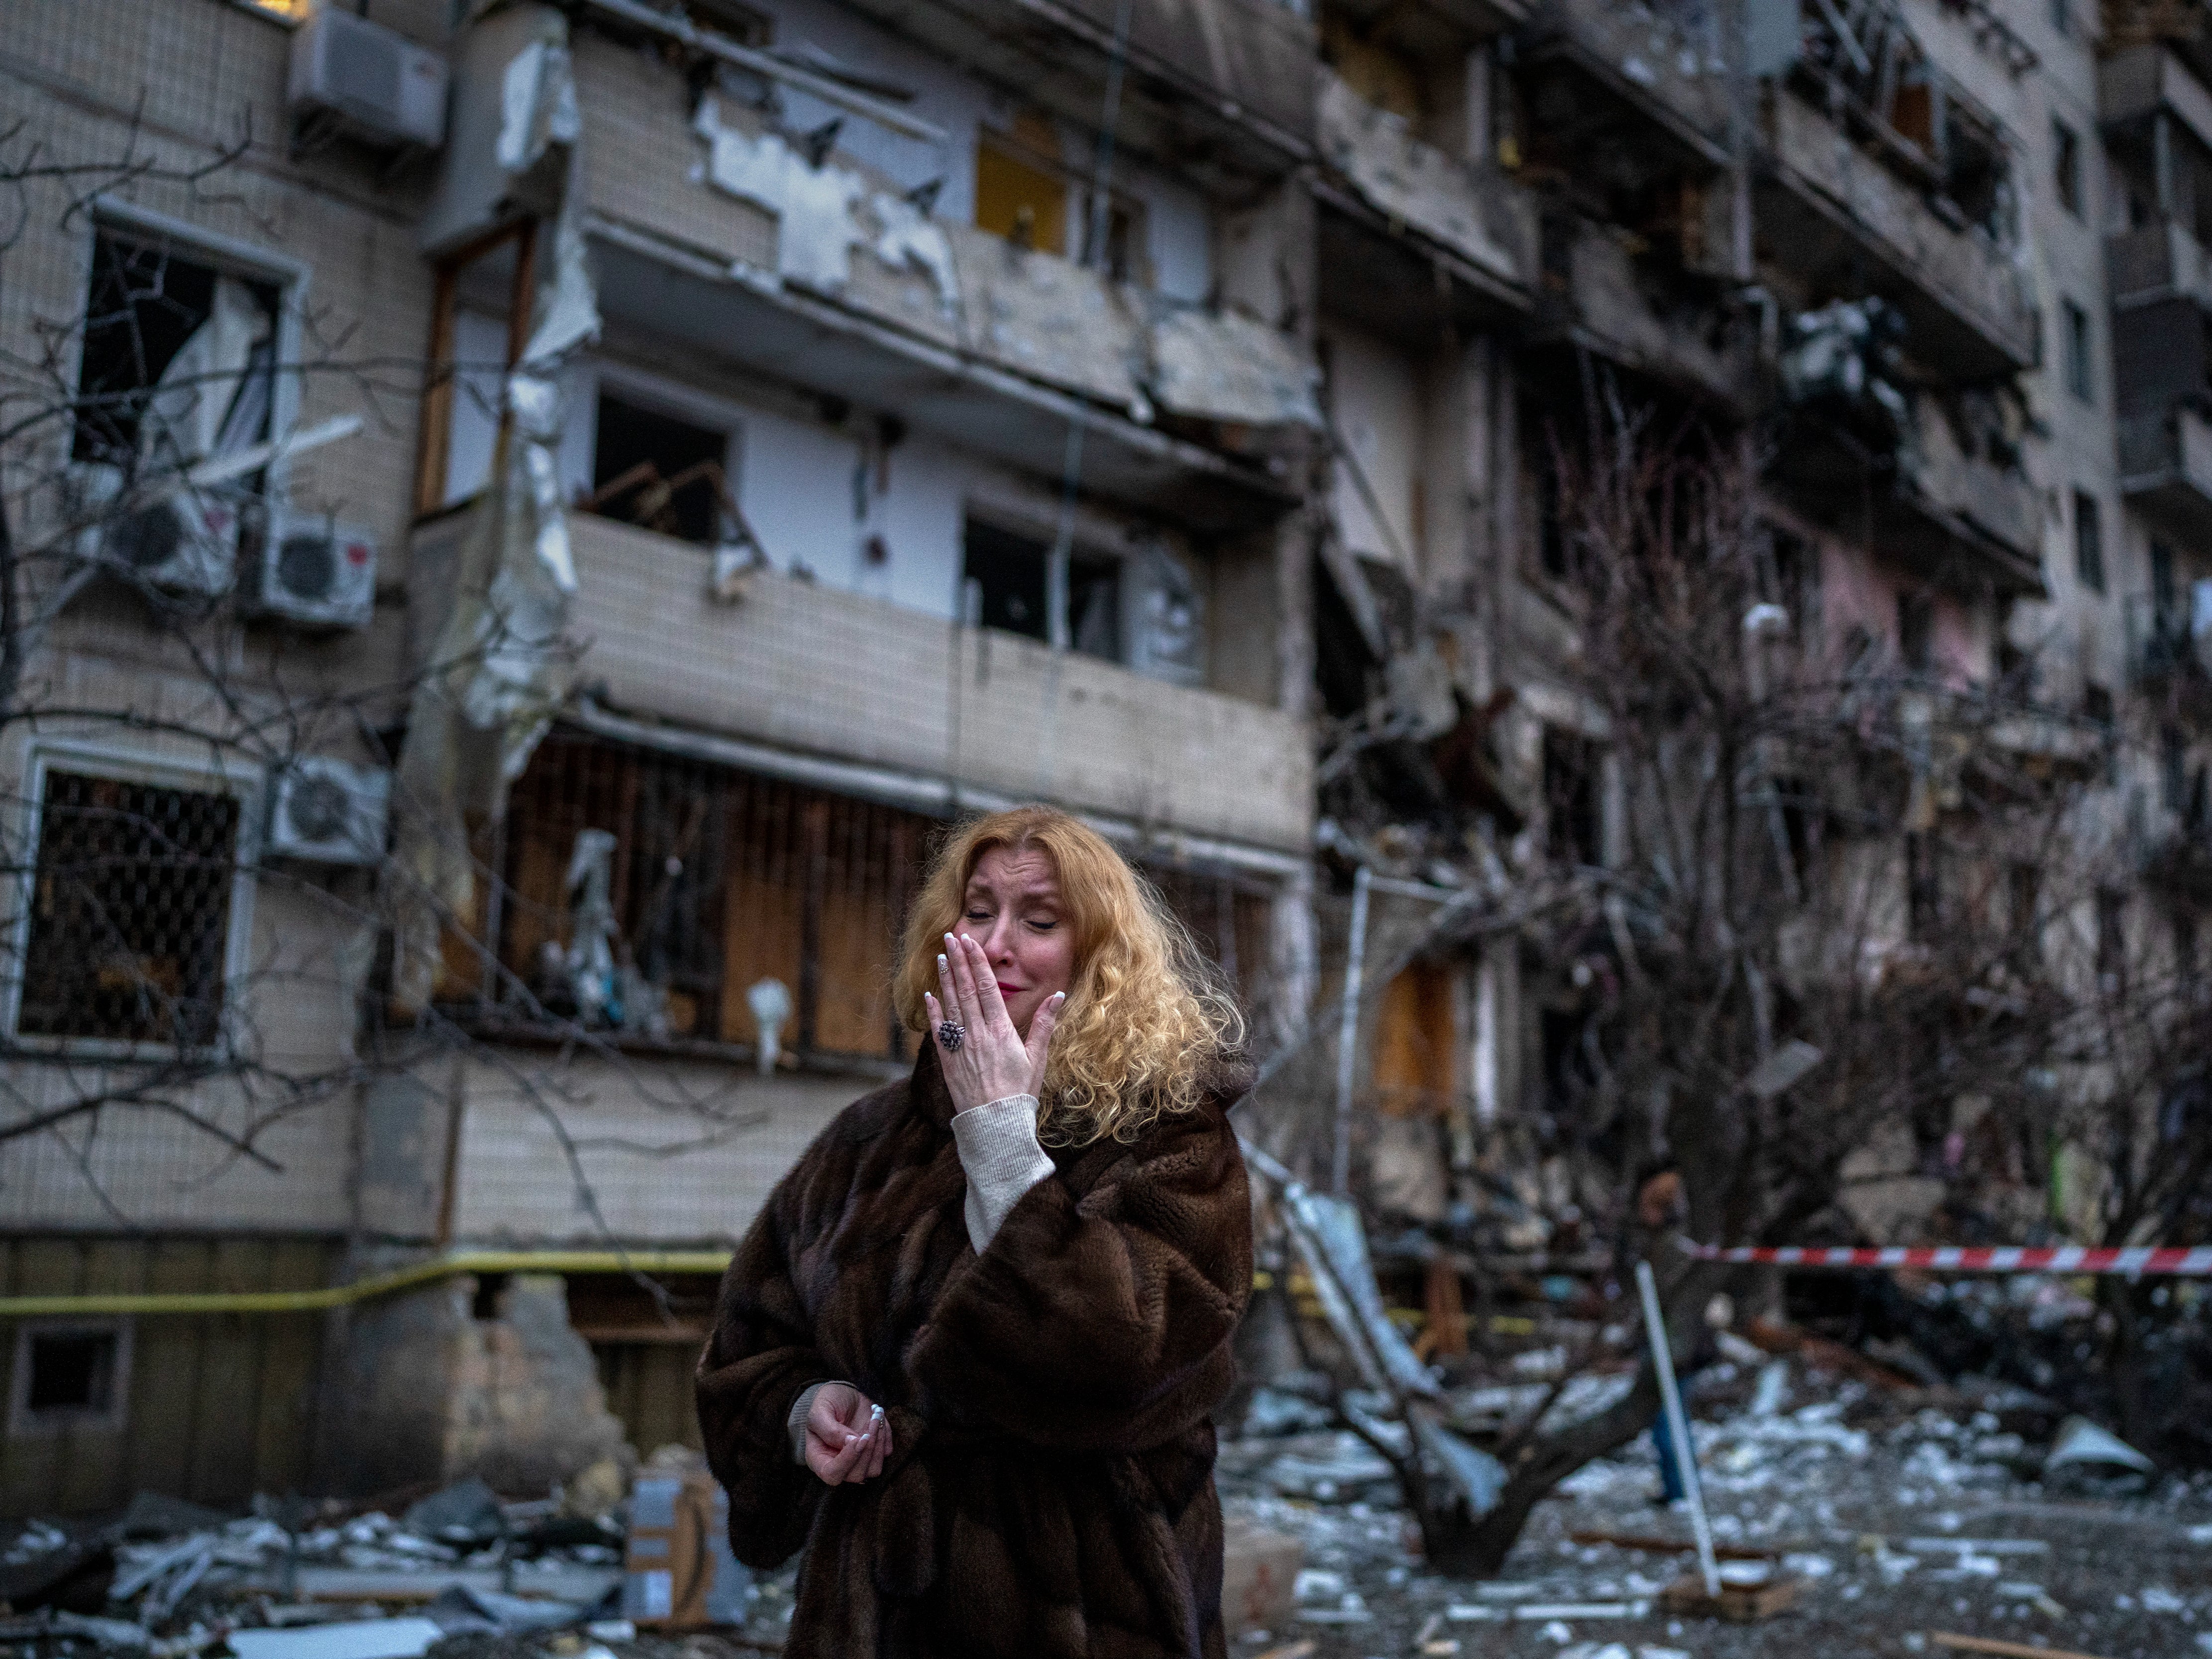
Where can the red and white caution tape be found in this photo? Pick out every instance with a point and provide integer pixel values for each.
(2195, 1263)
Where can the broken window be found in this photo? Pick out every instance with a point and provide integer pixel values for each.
(2111, 940)
(717, 880)
(1923, 888)
(1572, 797)
(2098, 709)
(131, 915)
(2076, 331)
(69, 1376)
(2023, 897)
(1551, 552)
(2088, 543)
(178, 363)
(1916, 631)
(1006, 581)
(1021, 193)
(2066, 166)
(661, 471)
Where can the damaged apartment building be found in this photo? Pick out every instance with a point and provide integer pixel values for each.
(542, 511)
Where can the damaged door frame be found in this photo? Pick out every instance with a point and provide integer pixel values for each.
(433, 428)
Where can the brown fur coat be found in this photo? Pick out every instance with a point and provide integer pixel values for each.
(1051, 1491)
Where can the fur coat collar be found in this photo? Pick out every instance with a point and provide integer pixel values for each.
(1051, 1492)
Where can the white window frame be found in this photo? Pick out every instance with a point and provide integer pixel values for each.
(231, 256)
(244, 783)
(24, 1424)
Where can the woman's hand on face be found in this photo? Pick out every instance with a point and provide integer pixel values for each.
(992, 1060)
(846, 1440)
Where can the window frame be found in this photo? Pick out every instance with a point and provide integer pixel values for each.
(227, 256)
(245, 783)
(1091, 539)
(658, 394)
(2078, 344)
(24, 1424)
(2068, 177)
(2090, 573)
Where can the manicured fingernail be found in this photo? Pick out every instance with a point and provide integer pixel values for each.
(940, 959)
(1059, 997)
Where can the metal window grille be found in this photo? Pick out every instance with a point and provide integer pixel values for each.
(131, 909)
(721, 879)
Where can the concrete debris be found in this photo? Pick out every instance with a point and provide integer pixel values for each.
(1838, 1500)
(365, 1638)
(816, 231)
(2082, 1444)
(499, 666)
(1229, 367)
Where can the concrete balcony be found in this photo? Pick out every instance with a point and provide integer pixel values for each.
(1955, 518)
(1616, 312)
(955, 331)
(1841, 220)
(2159, 262)
(812, 676)
(2165, 470)
(1645, 60)
(1396, 211)
(1221, 87)
(1978, 521)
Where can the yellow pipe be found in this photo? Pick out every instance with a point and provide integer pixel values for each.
(362, 1289)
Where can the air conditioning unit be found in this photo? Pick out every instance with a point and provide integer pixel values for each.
(327, 812)
(186, 543)
(377, 83)
(308, 567)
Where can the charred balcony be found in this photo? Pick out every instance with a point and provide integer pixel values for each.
(1602, 74)
(1844, 216)
(1608, 292)
(1413, 237)
(1938, 491)
(953, 329)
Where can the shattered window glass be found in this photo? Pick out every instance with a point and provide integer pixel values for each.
(179, 359)
(131, 911)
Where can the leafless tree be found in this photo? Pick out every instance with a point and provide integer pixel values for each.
(136, 438)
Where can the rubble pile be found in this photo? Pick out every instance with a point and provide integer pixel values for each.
(462, 1574)
(1900, 1515)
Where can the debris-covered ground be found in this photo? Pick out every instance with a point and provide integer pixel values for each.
(1901, 1516)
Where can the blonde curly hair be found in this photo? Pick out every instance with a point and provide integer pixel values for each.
(1146, 1014)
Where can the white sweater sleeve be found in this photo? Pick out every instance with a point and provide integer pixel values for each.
(999, 1149)
(797, 1421)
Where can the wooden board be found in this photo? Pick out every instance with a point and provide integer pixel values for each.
(1738, 1603)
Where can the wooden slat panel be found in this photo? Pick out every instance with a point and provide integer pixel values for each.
(290, 1363)
(229, 1394)
(165, 1379)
